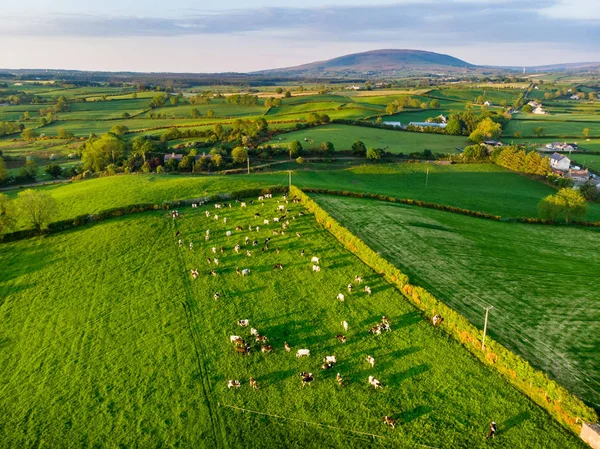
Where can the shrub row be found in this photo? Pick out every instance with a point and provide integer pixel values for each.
(556, 400)
(445, 208)
(82, 220)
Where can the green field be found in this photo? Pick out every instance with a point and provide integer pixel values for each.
(553, 129)
(343, 136)
(108, 342)
(540, 280)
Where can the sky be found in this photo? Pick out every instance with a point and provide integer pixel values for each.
(242, 36)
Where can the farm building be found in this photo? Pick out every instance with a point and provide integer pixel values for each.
(493, 143)
(539, 110)
(560, 162)
(176, 156)
(534, 104)
(427, 124)
(579, 177)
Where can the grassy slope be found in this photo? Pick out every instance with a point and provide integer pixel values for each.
(343, 136)
(540, 280)
(96, 332)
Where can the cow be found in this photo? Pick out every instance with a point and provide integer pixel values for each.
(371, 360)
(375, 330)
(246, 240)
(214, 250)
(253, 383)
(301, 213)
(280, 208)
(350, 288)
(277, 251)
(213, 272)
(233, 384)
(208, 232)
(303, 353)
(191, 246)
(248, 253)
(278, 266)
(327, 366)
(261, 198)
(225, 220)
(307, 378)
(275, 232)
(208, 260)
(180, 243)
(298, 234)
(239, 228)
(253, 331)
(216, 261)
(237, 271)
(194, 273)
(339, 379)
(255, 242)
(341, 338)
(330, 359)
(368, 290)
(206, 237)
(234, 338)
(389, 421)
(216, 296)
(314, 259)
(207, 214)
(316, 268)
(243, 323)
(275, 219)
(228, 233)
(385, 327)
(266, 348)
(261, 339)
(222, 250)
(256, 215)
(345, 325)
(376, 384)
(216, 217)
(243, 204)
(245, 272)
(437, 320)
(257, 229)
(243, 350)
(286, 346)
(265, 222)
(236, 248)
(340, 297)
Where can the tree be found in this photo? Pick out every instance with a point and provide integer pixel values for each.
(64, 134)
(287, 94)
(126, 115)
(527, 109)
(390, 109)
(196, 113)
(217, 160)
(3, 172)
(295, 149)
(174, 100)
(26, 116)
(29, 133)
(7, 215)
(359, 149)
(160, 169)
(539, 131)
(239, 155)
(119, 130)
(279, 90)
(590, 191)
(29, 170)
(566, 203)
(53, 170)
(517, 134)
(486, 129)
(434, 104)
(210, 113)
(36, 208)
(475, 153)
(586, 132)
(454, 127)
(99, 152)
(375, 153)
(480, 99)
(312, 118)
(146, 167)
(327, 148)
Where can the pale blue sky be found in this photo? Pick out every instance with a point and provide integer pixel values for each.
(199, 36)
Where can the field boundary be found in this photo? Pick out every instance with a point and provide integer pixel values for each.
(536, 385)
(453, 209)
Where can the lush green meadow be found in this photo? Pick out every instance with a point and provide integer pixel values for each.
(540, 280)
(108, 342)
(343, 136)
(572, 129)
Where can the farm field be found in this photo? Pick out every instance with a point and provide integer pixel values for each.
(343, 136)
(495, 96)
(471, 263)
(92, 334)
(552, 129)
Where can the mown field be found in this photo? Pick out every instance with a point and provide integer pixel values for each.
(343, 136)
(540, 280)
(572, 129)
(108, 342)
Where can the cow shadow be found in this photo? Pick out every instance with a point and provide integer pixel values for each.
(410, 415)
(398, 378)
(514, 422)
(276, 376)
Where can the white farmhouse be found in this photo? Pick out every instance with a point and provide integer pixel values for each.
(560, 162)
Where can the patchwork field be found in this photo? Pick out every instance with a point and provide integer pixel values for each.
(540, 280)
(104, 325)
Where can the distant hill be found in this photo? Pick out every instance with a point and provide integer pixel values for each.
(378, 61)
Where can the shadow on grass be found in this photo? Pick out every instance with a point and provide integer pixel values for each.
(398, 378)
(513, 422)
(410, 415)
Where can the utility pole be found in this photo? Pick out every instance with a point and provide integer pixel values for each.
(427, 178)
(487, 311)
(290, 178)
(248, 160)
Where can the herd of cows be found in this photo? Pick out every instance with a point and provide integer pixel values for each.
(283, 225)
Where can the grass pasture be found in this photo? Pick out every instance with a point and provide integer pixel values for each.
(471, 263)
(104, 325)
(343, 136)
